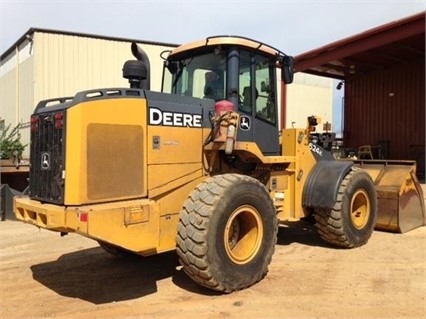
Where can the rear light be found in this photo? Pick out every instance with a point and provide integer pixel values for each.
(59, 120)
(34, 123)
(84, 217)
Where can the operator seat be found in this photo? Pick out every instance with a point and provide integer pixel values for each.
(212, 87)
(247, 104)
(208, 92)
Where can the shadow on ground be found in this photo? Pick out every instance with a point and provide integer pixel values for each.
(95, 276)
(302, 232)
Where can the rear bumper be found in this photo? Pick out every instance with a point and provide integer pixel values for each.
(48, 216)
(133, 225)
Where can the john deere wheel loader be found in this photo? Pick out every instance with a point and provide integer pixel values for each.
(203, 169)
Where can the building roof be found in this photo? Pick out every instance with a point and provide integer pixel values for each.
(397, 42)
(86, 35)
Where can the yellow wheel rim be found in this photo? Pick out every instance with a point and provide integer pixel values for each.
(243, 234)
(360, 209)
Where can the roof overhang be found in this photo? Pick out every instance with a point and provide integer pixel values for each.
(397, 42)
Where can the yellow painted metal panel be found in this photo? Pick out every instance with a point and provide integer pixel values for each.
(163, 174)
(47, 216)
(106, 222)
(115, 161)
(296, 143)
(128, 112)
(175, 145)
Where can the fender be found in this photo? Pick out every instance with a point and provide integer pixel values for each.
(323, 182)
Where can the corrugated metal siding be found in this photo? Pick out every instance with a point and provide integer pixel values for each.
(16, 89)
(25, 101)
(308, 95)
(388, 106)
(67, 64)
(7, 97)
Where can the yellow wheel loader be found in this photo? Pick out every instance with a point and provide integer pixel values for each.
(202, 167)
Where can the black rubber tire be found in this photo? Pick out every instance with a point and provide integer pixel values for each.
(210, 242)
(351, 221)
(115, 250)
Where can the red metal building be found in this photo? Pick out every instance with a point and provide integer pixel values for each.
(383, 70)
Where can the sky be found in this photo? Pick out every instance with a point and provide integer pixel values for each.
(291, 26)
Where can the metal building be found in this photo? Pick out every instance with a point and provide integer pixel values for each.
(383, 74)
(46, 64)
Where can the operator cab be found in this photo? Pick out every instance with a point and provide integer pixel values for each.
(240, 70)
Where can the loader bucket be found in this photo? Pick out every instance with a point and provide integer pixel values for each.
(400, 201)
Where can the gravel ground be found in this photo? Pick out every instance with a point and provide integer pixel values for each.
(45, 276)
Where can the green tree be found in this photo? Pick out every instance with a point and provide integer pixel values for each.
(10, 142)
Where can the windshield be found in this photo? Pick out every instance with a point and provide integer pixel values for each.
(201, 76)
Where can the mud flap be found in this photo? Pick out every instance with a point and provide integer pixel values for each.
(323, 183)
(6, 202)
(400, 197)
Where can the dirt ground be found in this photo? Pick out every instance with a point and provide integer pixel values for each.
(45, 276)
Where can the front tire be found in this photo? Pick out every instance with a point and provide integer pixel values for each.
(227, 232)
(351, 221)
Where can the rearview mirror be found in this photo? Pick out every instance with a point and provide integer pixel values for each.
(171, 66)
(287, 69)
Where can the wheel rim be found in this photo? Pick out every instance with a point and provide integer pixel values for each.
(243, 234)
(360, 209)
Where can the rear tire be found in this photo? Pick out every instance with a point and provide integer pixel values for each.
(351, 221)
(227, 232)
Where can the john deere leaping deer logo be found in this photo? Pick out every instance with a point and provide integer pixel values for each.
(245, 123)
(45, 161)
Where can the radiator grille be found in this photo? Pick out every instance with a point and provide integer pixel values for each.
(47, 159)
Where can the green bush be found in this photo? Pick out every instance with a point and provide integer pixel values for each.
(10, 142)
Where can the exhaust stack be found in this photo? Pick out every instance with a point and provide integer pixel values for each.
(140, 55)
(138, 72)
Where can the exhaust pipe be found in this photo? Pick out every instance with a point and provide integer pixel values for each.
(140, 55)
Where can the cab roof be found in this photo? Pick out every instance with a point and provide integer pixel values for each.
(224, 40)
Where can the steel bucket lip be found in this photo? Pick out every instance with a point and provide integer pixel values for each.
(392, 180)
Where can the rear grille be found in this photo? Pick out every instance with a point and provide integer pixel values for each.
(47, 159)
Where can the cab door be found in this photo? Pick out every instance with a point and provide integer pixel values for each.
(259, 118)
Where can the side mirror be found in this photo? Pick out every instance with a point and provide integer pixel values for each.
(287, 69)
(171, 66)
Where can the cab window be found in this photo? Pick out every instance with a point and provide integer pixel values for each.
(257, 89)
(201, 77)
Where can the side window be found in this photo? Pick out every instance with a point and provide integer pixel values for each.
(198, 83)
(246, 102)
(257, 87)
(265, 107)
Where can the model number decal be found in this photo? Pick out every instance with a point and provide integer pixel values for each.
(158, 117)
(315, 149)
